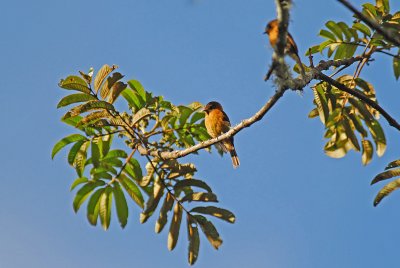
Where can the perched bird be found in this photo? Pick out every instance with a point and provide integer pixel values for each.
(217, 123)
(291, 48)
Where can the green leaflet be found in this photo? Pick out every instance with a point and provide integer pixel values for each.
(65, 141)
(80, 159)
(93, 207)
(73, 82)
(84, 193)
(78, 181)
(137, 86)
(132, 189)
(362, 28)
(396, 67)
(74, 98)
(73, 152)
(331, 25)
(121, 205)
(105, 204)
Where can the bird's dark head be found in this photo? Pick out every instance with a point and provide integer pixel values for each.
(270, 26)
(211, 106)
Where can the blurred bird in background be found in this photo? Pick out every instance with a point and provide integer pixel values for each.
(217, 123)
(291, 48)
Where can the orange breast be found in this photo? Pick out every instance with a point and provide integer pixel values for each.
(214, 123)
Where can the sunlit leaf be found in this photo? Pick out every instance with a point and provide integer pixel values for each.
(78, 181)
(220, 213)
(163, 218)
(116, 91)
(73, 82)
(362, 28)
(104, 71)
(201, 197)
(191, 183)
(105, 204)
(386, 190)
(386, 175)
(393, 164)
(132, 189)
(367, 152)
(73, 152)
(152, 202)
(327, 35)
(139, 115)
(331, 25)
(93, 206)
(80, 158)
(109, 84)
(194, 240)
(84, 192)
(209, 230)
(173, 234)
(137, 86)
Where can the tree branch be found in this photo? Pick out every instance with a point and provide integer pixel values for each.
(392, 122)
(391, 36)
(295, 84)
(245, 123)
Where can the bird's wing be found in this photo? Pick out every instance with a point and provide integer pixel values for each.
(226, 124)
(293, 47)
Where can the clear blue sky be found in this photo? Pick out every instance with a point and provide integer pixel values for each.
(295, 207)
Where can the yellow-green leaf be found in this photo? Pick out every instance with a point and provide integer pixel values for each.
(367, 152)
(73, 82)
(120, 205)
(105, 204)
(386, 175)
(220, 213)
(209, 230)
(93, 207)
(386, 190)
(173, 234)
(102, 74)
(65, 141)
(163, 218)
(74, 98)
(194, 240)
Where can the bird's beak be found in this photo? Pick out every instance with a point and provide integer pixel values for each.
(264, 32)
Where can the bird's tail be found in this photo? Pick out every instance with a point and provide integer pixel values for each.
(235, 159)
(297, 59)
